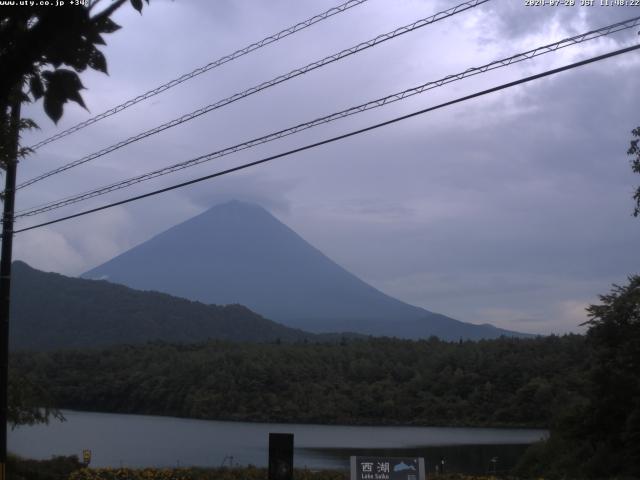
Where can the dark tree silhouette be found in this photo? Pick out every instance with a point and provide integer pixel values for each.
(600, 437)
(614, 408)
(42, 51)
(635, 166)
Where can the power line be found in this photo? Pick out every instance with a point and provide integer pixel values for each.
(332, 117)
(200, 70)
(339, 137)
(275, 81)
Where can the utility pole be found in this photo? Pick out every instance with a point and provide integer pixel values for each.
(5, 271)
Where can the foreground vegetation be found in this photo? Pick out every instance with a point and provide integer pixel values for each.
(504, 382)
(63, 468)
(249, 473)
(69, 468)
(58, 468)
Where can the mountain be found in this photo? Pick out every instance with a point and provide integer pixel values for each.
(51, 311)
(239, 253)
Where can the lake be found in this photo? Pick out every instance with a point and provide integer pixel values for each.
(140, 440)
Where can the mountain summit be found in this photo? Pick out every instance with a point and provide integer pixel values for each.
(240, 253)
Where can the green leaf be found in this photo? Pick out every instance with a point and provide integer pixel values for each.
(80, 57)
(76, 97)
(62, 85)
(25, 151)
(106, 25)
(35, 84)
(53, 107)
(97, 61)
(94, 37)
(27, 124)
(137, 4)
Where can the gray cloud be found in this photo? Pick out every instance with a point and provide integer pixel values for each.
(514, 20)
(250, 187)
(512, 209)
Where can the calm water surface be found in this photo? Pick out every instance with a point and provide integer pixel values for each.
(139, 440)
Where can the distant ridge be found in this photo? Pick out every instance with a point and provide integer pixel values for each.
(239, 253)
(50, 311)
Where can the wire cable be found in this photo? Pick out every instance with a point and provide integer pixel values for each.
(339, 137)
(200, 70)
(332, 117)
(275, 81)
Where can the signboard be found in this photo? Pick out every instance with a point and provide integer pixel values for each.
(86, 456)
(387, 468)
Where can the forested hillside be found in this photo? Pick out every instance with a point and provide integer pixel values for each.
(493, 382)
(51, 311)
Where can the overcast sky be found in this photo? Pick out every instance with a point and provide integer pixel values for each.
(512, 209)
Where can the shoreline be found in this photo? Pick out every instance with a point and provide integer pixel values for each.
(318, 423)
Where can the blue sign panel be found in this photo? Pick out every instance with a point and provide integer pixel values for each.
(387, 468)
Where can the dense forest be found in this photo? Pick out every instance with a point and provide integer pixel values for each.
(503, 382)
(599, 437)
